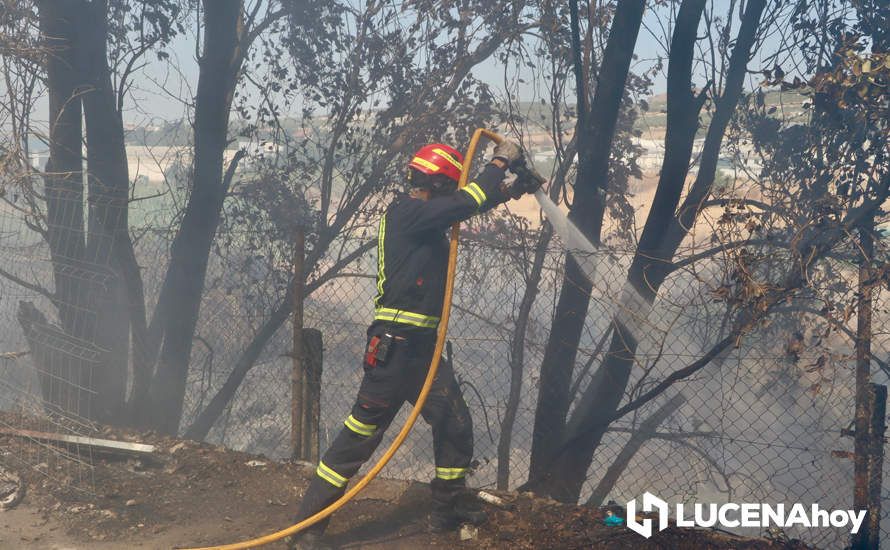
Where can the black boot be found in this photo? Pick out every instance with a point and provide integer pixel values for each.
(454, 505)
(318, 496)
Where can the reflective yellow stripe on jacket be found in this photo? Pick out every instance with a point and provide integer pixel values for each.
(405, 317)
(476, 192)
(381, 259)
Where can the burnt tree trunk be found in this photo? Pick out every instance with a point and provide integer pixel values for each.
(64, 177)
(60, 353)
(108, 185)
(595, 129)
(180, 298)
(662, 235)
(681, 126)
(89, 353)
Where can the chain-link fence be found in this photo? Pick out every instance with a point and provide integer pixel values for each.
(761, 423)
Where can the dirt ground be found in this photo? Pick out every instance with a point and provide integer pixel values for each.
(193, 494)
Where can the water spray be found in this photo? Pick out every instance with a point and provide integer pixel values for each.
(631, 310)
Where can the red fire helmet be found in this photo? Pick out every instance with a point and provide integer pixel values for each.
(438, 158)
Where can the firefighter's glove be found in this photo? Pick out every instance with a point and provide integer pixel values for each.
(509, 152)
(527, 180)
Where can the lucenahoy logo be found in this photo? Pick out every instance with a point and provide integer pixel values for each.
(740, 515)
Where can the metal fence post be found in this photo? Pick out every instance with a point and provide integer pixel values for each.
(306, 368)
(870, 454)
(311, 411)
(298, 381)
(864, 395)
(878, 398)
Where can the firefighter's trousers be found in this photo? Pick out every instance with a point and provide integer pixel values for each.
(384, 388)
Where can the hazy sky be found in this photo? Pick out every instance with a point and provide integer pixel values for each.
(160, 88)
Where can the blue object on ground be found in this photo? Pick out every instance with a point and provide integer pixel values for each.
(612, 520)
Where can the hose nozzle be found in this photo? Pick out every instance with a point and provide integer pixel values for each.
(528, 180)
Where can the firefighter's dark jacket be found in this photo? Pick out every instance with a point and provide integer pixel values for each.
(412, 252)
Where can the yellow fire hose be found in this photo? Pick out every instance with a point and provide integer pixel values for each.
(424, 391)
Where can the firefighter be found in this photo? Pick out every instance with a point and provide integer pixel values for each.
(412, 258)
